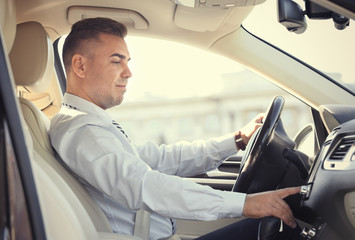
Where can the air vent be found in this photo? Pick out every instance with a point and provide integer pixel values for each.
(335, 130)
(342, 149)
(326, 143)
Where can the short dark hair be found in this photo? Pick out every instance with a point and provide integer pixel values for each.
(89, 29)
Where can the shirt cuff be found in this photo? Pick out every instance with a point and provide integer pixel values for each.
(226, 145)
(233, 204)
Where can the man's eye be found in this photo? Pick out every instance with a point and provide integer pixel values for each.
(116, 62)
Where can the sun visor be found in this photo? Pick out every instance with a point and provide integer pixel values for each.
(130, 18)
(217, 3)
(209, 19)
(199, 19)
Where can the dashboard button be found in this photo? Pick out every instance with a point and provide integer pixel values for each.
(306, 191)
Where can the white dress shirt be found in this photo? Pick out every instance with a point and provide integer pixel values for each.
(126, 177)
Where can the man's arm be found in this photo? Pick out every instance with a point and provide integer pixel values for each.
(186, 159)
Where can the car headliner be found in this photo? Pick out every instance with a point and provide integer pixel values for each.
(190, 25)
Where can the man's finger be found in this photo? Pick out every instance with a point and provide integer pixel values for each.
(285, 192)
(285, 217)
(286, 213)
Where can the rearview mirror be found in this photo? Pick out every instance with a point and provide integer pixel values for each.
(291, 16)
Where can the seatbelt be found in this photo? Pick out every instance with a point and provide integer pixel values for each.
(142, 224)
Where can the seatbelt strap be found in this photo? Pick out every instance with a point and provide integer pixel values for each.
(142, 224)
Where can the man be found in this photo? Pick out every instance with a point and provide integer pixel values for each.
(123, 177)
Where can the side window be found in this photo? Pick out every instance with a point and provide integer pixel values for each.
(178, 93)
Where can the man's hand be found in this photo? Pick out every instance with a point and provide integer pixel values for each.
(248, 130)
(271, 204)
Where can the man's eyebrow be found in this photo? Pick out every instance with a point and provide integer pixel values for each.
(120, 56)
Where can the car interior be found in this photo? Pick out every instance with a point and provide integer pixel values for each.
(41, 199)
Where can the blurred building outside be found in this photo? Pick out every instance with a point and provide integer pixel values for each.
(244, 95)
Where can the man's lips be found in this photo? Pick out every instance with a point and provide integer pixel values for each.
(121, 86)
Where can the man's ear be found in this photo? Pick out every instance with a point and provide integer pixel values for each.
(78, 65)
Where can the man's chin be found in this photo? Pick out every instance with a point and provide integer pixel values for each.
(117, 102)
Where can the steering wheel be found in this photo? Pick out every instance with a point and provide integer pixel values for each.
(252, 161)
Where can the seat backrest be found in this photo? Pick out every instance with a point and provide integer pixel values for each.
(64, 215)
(37, 75)
(41, 145)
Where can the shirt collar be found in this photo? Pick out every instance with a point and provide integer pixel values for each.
(82, 105)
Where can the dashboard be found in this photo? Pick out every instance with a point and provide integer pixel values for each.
(329, 196)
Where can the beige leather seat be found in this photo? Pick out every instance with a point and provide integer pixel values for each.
(64, 219)
(68, 210)
(31, 40)
(8, 22)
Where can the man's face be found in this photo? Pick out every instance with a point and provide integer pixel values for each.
(107, 71)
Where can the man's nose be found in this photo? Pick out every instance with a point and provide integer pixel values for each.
(126, 72)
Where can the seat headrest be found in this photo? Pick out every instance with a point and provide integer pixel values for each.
(32, 57)
(8, 22)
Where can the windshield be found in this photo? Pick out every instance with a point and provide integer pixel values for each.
(322, 46)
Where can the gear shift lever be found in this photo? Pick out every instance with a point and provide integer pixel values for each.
(269, 228)
(272, 228)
